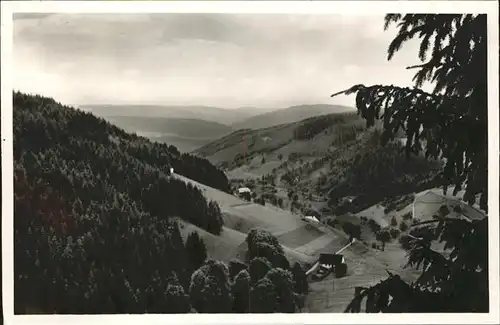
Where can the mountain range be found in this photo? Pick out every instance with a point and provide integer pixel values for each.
(191, 127)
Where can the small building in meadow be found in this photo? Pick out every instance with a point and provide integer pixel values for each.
(333, 262)
(311, 219)
(245, 193)
(243, 190)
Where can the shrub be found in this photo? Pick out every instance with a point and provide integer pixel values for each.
(403, 226)
(405, 242)
(394, 232)
(394, 222)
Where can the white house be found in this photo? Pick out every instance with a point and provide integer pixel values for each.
(311, 218)
(243, 190)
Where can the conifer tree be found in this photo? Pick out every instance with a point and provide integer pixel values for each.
(196, 249)
(450, 124)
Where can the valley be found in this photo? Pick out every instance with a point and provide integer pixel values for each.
(207, 168)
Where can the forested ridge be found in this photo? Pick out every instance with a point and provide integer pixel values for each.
(93, 232)
(375, 173)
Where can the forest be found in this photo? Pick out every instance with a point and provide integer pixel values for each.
(93, 212)
(375, 173)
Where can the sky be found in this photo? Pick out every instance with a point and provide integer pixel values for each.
(224, 60)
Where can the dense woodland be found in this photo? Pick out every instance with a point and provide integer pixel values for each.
(93, 208)
(94, 231)
(378, 172)
(313, 126)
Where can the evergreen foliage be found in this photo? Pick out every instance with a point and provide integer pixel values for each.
(196, 249)
(261, 243)
(210, 290)
(176, 299)
(235, 267)
(241, 292)
(300, 279)
(92, 226)
(259, 267)
(451, 124)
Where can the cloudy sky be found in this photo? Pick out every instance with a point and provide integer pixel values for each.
(226, 60)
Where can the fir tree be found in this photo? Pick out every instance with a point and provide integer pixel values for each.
(196, 249)
(450, 123)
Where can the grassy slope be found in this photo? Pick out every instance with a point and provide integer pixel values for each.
(321, 156)
(302, 242)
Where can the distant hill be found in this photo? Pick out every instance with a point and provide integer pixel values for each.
(322, 160)
(207, 113)
(185, 134)
(94, 204)
(289, 115)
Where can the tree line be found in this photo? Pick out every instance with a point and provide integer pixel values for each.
(92, 213)
(265, 283)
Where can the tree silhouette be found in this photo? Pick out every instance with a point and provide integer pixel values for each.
(384, 236)
(236, 267)
(210, 290)
(263, 298)
(241, 292)
(177, 301)
(283, 289)
(451, 124)
(300, 279)
(259, 267)
(196, 249)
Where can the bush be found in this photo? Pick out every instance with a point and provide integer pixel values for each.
(403, 226)
(444, 211)
(405, 242)
(394, 232)
(394, 222)
(384, 237)
(407, 216)
(352, 230)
